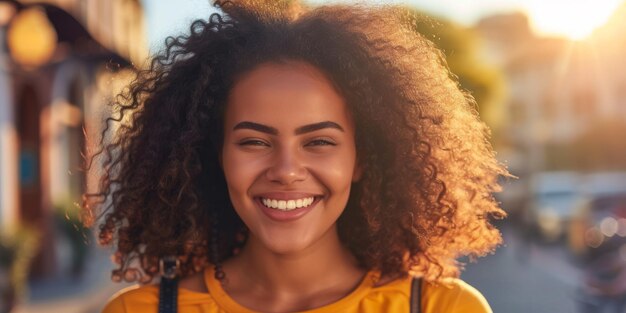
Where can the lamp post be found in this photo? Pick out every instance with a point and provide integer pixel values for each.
(31, 38)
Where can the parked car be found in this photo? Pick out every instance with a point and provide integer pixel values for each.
(553, 198)
(600, 220)
(597, 236)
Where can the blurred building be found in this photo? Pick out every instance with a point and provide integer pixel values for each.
(610, 41)
(59, 64)
(558, 88)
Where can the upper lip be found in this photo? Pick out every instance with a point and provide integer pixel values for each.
(283, 195)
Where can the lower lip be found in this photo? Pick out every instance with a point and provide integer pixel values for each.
(286, 216)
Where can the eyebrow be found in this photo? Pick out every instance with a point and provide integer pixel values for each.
(299, 131)
(256, 126)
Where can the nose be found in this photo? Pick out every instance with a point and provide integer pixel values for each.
(287, 168)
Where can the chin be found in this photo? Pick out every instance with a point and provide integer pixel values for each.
(286, 245)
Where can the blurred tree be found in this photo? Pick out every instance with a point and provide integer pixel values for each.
(18, 247)
(461, 46)
(70, 223)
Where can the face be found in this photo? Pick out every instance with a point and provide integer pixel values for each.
(289, 155)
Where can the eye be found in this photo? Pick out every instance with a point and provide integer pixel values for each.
(253, 142)
(320, 142)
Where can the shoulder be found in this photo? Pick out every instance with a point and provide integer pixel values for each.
(453, 295)
(133, 299)
(191, 293)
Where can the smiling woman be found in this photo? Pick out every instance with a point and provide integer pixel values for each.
(285, 159)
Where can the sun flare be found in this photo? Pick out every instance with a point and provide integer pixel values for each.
(574, 19)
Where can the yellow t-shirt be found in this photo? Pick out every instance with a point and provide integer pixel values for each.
(451, 296)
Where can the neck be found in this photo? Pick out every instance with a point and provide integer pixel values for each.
(325, 264)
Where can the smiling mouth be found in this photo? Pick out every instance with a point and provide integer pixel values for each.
(289, 205)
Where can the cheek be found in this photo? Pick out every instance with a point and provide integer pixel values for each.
(238, 180)
(336, 173)
(238, 173)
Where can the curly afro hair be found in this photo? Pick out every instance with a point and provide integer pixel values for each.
(425, 197)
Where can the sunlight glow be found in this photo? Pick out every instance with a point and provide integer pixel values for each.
(574, 19)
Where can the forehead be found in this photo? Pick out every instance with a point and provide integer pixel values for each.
(288, 94)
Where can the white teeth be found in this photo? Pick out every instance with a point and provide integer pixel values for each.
(287, 205)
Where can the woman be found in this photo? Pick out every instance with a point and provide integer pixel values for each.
(296, 160)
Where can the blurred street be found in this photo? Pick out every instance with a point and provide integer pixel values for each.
(64, 294)
(524, 277)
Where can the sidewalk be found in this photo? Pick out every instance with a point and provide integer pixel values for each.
(63, 294)
(92, 302)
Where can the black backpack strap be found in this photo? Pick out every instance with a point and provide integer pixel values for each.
(168, 290)
(416, 295)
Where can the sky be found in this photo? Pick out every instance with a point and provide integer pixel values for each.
(571, 18)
